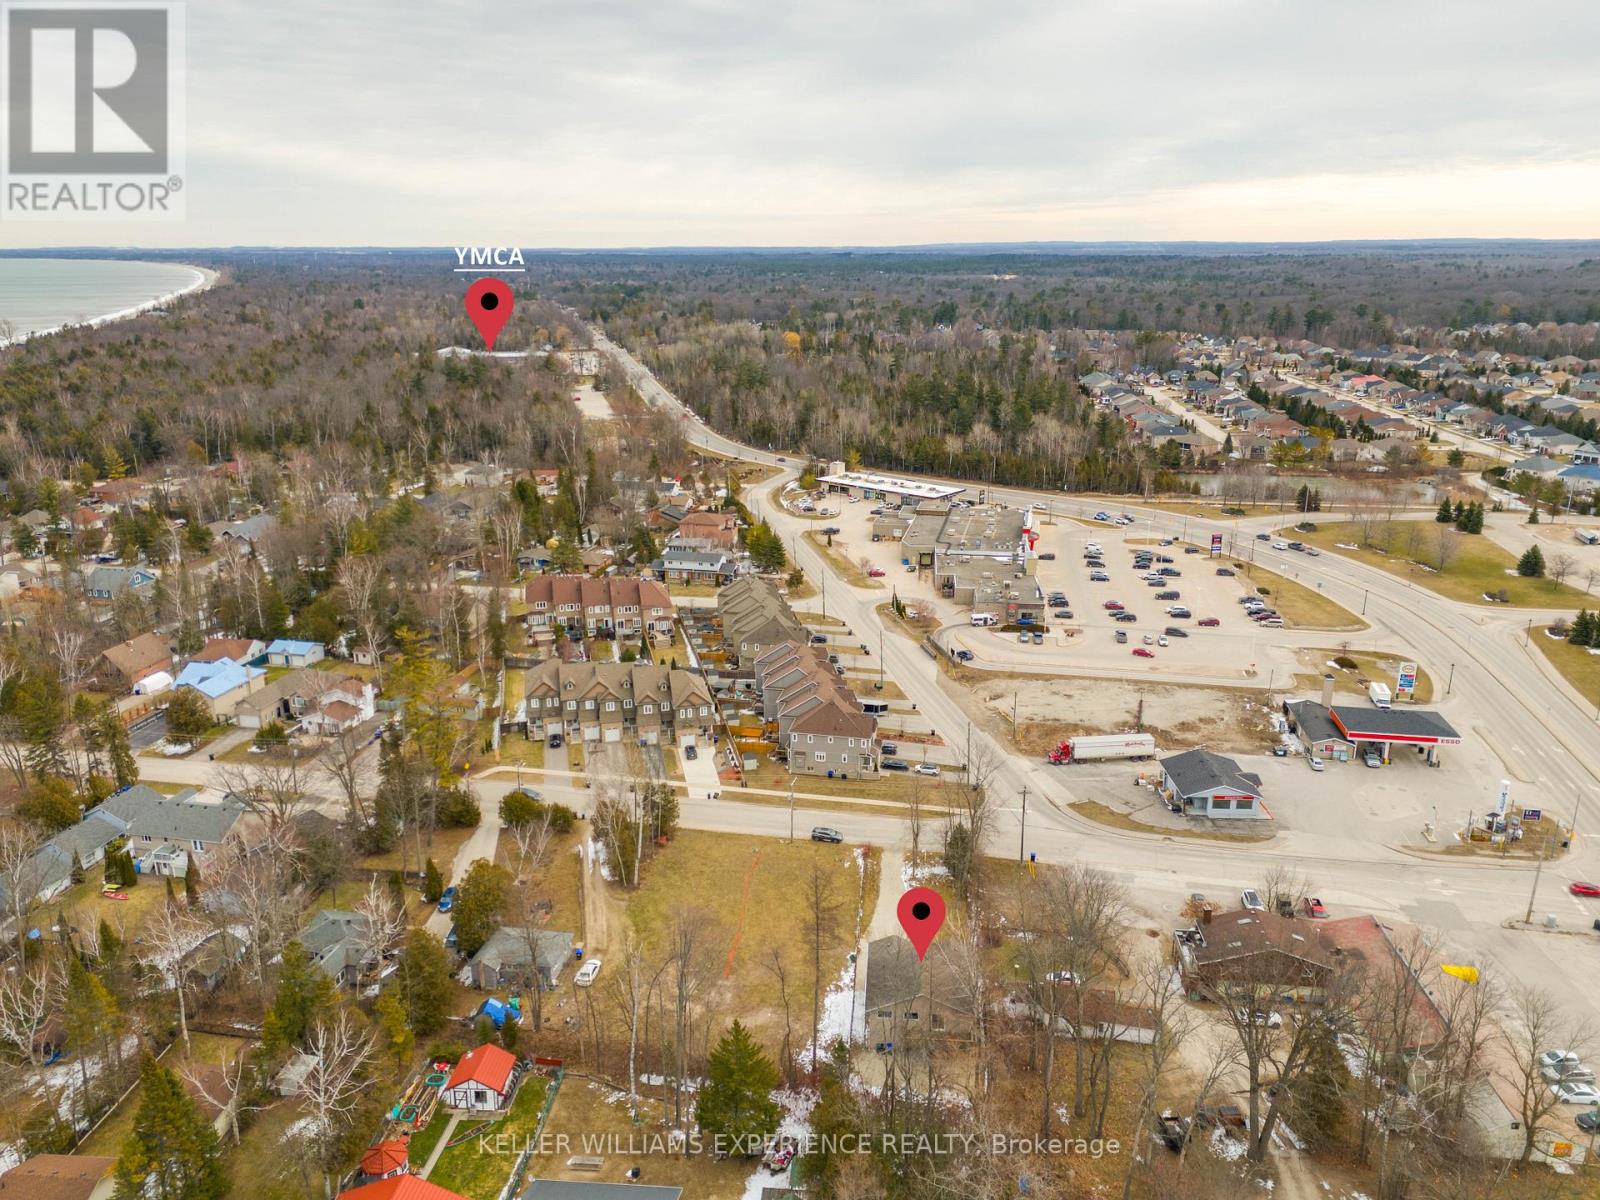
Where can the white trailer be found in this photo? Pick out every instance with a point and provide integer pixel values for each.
(1589, 537)
(1378, 693)
(1104, 747)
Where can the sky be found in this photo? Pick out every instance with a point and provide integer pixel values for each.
(555, 123)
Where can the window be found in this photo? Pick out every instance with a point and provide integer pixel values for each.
(704, 710)
(1221, 802)
(611, 706)
(809, 739)
(198, 845)
(572, 705)
(911, 1016)
(647, 709)
(627, 704)
(937, 1021)
(821, 757)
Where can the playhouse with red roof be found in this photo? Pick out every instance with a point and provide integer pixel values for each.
(484, 1080)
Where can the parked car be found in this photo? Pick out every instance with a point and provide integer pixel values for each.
(1179, 613)
(1209, 622)
(1228, 571)
(1060, 977)
(1162, 640)
(876, 573)
(1585, 889)
(691, 752)
(1165, 558)
(1174, 631)
(1575, 1093)
(1589, 1121)
(1023, 637)
(1372, 758)
(1272, 1020)
(891, 747)
(963, 655)
(829, 529)
(1061, 614)
(1038, 638)
(1113, 605)
(1141, 652)
(1168, 595)
(895, 764)
(1171, 572)
(1123, 616)
(824, 833)
(1099, 577)
(1048, 556)
(447, 899)
(1562, 1060)
(1313, 762)
(586, 973)
(555, 741)
(1251, 899)
(1314, 907)
(1058, 598)
(927, 769)
(1280, 751)
(1122, 636)
(819, 639)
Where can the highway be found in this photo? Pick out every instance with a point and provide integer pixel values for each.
(1539, 726)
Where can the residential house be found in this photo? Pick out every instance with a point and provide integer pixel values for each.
(1212, 785)
(625, 606)
(208, 964)
(399, 1187)
(123, 666)
(1103, 1015)
(336, 940)
(85, 843)
(16, 579)
(695, 568)
(708, 530)
(243, 650)
(547, 480)
(322, 702)
(1246, 951)
(906, 996)
(108, 583)
(483, 1081)
(244, 534)
(223, 683)
(60, 1177)
(616, 702)
(152, 821)
(755, 617)
(833, 739)
(385, 1160)
(1581, 480)
(510, 957)
(287, 652)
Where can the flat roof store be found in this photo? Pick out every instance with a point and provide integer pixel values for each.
(887, 487)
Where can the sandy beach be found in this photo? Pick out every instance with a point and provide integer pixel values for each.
(203, 278)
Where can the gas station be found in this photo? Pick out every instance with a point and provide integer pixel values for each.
(1382, 729)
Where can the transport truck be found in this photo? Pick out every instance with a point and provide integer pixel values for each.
(1589, 537)
(1378, 693)
(1105, 747)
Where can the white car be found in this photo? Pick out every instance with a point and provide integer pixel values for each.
(1280, 545)
(1575, 1093)
(1251, 899)
(1561, 1060)
(587, 972)
(926, 769)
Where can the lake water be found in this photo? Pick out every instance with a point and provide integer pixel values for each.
(39, 295)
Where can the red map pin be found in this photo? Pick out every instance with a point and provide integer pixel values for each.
(921, 912)
(489, 307)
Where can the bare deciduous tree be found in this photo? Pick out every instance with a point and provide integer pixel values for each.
(383, 924)
(170, 934)
(1535, 1022)
(341, 1050)
(29, 995)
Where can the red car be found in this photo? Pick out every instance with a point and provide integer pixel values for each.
(1210, 623)
(1114, 605)
(1314, 907)
(1141, 652)
(877, 573)
(1585, 889)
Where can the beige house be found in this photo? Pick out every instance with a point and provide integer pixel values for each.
(621, 605)
(821, 727)
(617, 702)
(126, 663)
(906, 998)
(755, 618)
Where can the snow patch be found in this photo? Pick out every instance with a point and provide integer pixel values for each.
(594, 853)
(1224, 1147)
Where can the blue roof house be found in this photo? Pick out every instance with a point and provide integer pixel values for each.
(286, 652)
(223, 683)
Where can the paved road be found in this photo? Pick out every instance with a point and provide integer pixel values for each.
(1532, 719)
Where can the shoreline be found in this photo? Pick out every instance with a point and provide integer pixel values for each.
(205, 279)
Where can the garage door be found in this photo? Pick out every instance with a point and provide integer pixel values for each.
(613, 733)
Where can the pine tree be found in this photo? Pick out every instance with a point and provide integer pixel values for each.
(172, 1152)
(736, 1103)
(191, 884)
(432, 883)
(479, 901)
(304, 994)
(1531, 564)
(1582, 630)
(1460, 508)
(113, 737)
(109, 942)
(422, 977)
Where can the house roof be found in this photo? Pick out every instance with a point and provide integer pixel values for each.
(384, 1158)
(216, 679)
(139, 654)
(508, 947)
(1195, 772)
(238, 649)
(56, 1176)
(292, 646)
(488, 1065)
(176, 818)
(401, 1187)
(1235, 936)
(894, 974)
(114, 580)
(88, 835)
(1313, 721)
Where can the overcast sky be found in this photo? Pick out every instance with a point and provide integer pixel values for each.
(661, 122)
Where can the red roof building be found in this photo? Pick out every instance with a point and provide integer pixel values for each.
(384, 1160)
(401, 1187)
(484, 1079)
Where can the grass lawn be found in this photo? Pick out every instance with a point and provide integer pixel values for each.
(558, 882)
(516, 750)
(1478, 565)
(890, 785)
(817, 619)
(513, 691)
(852, 572)
(479, 1174)
(749, 890)
(1301, 607)
(1117, 819)
(86, 907)
(423, 1140)
(1369, 667)
(442, 850)
(1577, 666)
(205, 1049)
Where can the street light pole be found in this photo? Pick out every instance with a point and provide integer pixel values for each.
(1022, 838)
(1363, 602)
(1533, 892)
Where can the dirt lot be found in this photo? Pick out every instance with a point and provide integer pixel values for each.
(1049, 710)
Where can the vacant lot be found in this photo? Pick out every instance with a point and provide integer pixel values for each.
(1473, 564)
(1577, 666)
(748, 896)
(1049, 710)
(839, 559)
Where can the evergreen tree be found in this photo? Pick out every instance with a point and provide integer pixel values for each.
(113, 736)
(304, 994)
(479, 901)
(187, 715)
(110, 943)
(1533, 514)
(1582, 630)
(736, 1102)
(172, 1152)
(1316, 1104)
(1531, 564)
(191, 884)
(422, 978)
(835, 1120)
(1460, 508)
(433, 881)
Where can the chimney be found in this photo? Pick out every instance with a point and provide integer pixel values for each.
(1327, 691)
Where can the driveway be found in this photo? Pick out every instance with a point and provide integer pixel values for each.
(700, 772)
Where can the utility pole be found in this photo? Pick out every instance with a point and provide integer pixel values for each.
(1452, 681)
(791, 806)
(1533, 892)
(1364, 594)
(880, 656)
(1022, 838)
